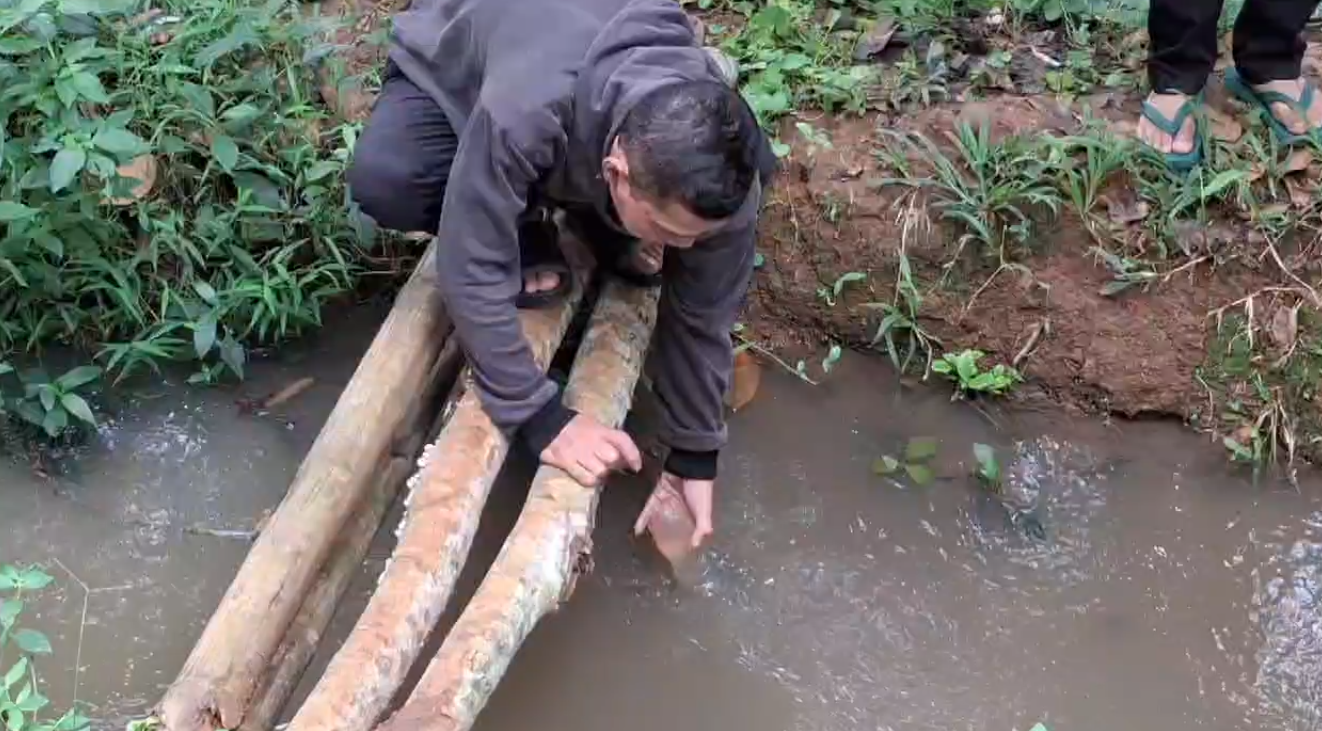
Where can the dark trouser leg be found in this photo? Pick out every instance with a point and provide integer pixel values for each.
(402, 162)
(1183, 44)
(1269, 43)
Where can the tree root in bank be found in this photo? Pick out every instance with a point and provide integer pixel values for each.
(444, 505)
(550, 545)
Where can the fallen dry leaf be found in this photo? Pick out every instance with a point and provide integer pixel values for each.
(1298, 161)
(143, 169)
(1285, 327)
(1301, 194)
(875, 40)
(288, 392)
(1124, 212)
(744, 381)
(1224, 127)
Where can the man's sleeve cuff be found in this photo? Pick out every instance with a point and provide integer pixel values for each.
(544, 426)
(693, 465)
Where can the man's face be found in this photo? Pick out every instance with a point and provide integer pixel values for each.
(653, 222)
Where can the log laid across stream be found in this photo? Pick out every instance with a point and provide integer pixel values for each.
(261, 638)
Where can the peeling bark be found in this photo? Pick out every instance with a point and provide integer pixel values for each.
(445, 502)
(550, 544)
(420, 426)
(219, 679)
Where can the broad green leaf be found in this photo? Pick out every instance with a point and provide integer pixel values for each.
(118, 141)
(67, 165)
(199, 98)
(240, 113)
(80, 376)
(320, 170)
(205, 291)
(32, 702)
(988, 467)
(14, 719)
(886, 465)
(204, 335)
(233, 355)
(33, 579)
(16, 672)
(1039, 727)
(55, 422)
(226, 152)
(89, 87)
(9, 611)
(76, 405)
(5, 368)
(12, 211)
(47, 396)
(920, 449)
(32, 642)
(920, 474)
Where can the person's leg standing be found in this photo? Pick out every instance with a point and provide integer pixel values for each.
(1269, 50)
(401, 163)
(1182, 53)
(1269, 41)
(1182, 50)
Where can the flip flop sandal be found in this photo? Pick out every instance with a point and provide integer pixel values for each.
(1264, 99)
(1179, 161)
(539, 252)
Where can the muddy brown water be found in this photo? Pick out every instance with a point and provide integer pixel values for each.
(1167, 592)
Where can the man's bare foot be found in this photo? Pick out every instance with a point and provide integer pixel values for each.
(538, 282)
(647, 258)
(1289, 116)
(1152, 136)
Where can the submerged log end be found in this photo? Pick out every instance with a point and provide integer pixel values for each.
(190, 706)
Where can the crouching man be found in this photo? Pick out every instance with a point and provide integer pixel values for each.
(494, 112)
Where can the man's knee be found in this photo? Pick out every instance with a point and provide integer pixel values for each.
(393, 190)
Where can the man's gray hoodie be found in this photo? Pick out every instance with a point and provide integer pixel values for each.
(535, 90)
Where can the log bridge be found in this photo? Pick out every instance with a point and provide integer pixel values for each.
(394, 433)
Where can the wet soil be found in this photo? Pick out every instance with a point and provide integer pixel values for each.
(1133, 356)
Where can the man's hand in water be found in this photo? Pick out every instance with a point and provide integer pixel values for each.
(697, 497)
(589, 451)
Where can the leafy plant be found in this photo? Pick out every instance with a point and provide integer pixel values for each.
(989, 188)
(168, 190)
(962, 368)
(831, 294)
(53, 406)
(789, 59)
(989, 467)
(918, 454)
(21, 703)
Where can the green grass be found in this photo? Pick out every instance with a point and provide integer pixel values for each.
(246, 232)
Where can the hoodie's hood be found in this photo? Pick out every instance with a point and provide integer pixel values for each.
(648, 45)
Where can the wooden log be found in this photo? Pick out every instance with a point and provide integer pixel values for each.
(219, 679)
(444, 505)
(550, 545)
(291, 660)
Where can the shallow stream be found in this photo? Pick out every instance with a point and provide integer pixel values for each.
(1166, 593)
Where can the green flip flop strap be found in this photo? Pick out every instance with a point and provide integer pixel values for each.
(1170, 126)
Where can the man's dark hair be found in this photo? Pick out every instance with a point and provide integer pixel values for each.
(696, 144)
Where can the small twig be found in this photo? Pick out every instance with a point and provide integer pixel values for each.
(82, 623)
(776, 359)
(1187, 265)
(1276, 256)
(1043, 327)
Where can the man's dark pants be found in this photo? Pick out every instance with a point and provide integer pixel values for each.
(402, 163)
(1268, 41)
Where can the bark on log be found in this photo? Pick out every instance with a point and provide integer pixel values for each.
(420, 426)
(219, 679)
(550, 545)
(444, 505)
